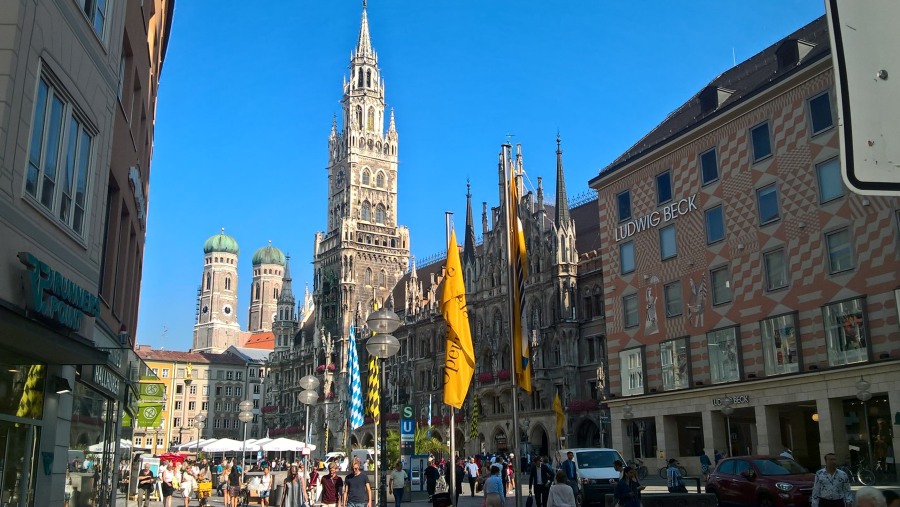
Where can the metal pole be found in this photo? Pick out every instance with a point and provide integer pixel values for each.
(728, 428)
(868, 436)
(307, 437)
(244, 454)
(383, 439)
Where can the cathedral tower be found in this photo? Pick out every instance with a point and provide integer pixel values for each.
(363, 252)
(268, 272)
(217, 327)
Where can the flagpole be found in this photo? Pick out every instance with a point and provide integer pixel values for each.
(447, 215)
(511, 279)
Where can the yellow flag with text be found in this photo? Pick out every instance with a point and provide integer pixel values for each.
(459, 365)
(518, 258)
(560, 416)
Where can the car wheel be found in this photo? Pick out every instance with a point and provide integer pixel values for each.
(765, 501)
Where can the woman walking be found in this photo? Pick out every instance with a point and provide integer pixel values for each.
(628, 489)
(167, 478)
(561, 494)
(294, 488)
(234, 485)
(188, 484)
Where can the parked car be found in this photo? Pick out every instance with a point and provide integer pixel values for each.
(768, 481)
(595, 469)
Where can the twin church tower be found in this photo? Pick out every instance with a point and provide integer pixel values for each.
(360, 256)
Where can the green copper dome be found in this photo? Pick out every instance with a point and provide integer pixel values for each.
(268, 255)
(221, 243)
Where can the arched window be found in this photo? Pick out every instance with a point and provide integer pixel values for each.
(208, 281)
(370, 120)
(359, 115)
(256, 293)
(368, 276)
(382, 282)
(275, 292)
(366, 211)
(359, 78)
(379, 180)
(365, 177)
(368, 78)
(379, 214)
(227, 283)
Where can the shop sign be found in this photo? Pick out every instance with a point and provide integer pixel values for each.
(106, 379)
(736, 399)
(654, 218)
(55, 297)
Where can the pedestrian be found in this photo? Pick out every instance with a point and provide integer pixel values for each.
(357, 489)
(265, 486)
(786, 453)
(431, 476)
(472, 473)
(705, 464)
(332, 486)
(673, 478)
(460, 475)
(539, 479)
(717, 456)
(494, 492)
(168, 489)
(832, 486)
(187, 484)
(628, 490)
(234, 485)
(397, 482)
(869, 497)
(571, 469)
(294, 488)
(561, 494)
(146, 480)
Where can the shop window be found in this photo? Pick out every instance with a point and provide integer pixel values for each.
(641, 434)
(667, 243)
(623, 201)
(673, 358)
(767, 203)
(724, 355)
(831, 186)
(780, 344)
(631, 365)
(94, 420)
(715, 225)
(761, 142)
(690, 434)
(674, 303)
(626, 257)
(630, 310)
(846, 332)
(721, 285)
(820, 115)
(776, 269)
(663, 187)
(709, 166)
(840, 255)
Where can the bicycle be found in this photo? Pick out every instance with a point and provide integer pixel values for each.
(638, 464)
(663, 474)
(859, 473)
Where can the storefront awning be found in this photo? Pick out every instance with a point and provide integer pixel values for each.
(31, 340)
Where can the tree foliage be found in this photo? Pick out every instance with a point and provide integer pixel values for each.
(424, 444)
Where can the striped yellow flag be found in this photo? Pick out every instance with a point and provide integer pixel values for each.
(459, 364)
(518, 259)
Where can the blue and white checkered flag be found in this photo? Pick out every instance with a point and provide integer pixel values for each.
(356, 399)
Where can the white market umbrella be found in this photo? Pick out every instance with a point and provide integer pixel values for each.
(98, 447)
(227, 444)
(193, 445)
(283, 444)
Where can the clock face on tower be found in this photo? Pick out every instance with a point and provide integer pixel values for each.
(226, 309)
(205, 309)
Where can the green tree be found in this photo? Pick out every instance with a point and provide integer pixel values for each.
(424, 445)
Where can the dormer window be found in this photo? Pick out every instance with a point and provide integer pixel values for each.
(792, 52)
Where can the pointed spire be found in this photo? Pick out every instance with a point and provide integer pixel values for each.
(392, 127)
(287, 293)
(562, 202)
(364, 45)
(334, 125)
(469, 247)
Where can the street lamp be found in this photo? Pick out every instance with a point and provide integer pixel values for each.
(199, 423)
(727, 409)
(308, 396)
(245, 416)
(383, 345)
(863, 395)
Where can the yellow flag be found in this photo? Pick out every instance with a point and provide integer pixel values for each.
(560, 415)
(518, 258)
(459, 365)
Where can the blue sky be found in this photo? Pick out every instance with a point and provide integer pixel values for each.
(247, 96)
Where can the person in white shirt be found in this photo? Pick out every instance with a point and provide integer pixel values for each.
(832, 486)
(472, 473)
(397, 482)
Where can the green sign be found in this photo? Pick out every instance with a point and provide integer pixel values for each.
(55, 297)
(151, 391)
(149, 414)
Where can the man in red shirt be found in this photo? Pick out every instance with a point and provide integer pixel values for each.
(332, 487)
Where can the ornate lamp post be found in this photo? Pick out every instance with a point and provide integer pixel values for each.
(863, 395)
(383, 345)
(727, 409)
(309, 396)
(245, 416)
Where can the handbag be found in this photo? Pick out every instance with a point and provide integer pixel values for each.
(530, 501)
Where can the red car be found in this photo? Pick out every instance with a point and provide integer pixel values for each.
(761, 480)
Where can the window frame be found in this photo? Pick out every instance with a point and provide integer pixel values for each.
(773, 188)
(628, 375)
(619, 206)
(675, 373)
(668, 175)
(703, 180)
(622, 247)
(838, 345)
(717, 373)
(626, 300)
(834, 166)
(663, 232)
(753, 138)
(715, 289)
(781, 346)
(786, 277)
(829, 251)
(706, 215)
(672, 285)
(813, 132)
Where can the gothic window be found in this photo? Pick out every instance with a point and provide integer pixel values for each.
(368, 276)
(366, 211)
(557, 354)
(365, 177)
(227, 283)
(275, 292)
(359, 78)
(370, 119)
(383, 279)
(379, 180)
(208, 281)
(359, 116)
(368, 78)
(256, 293)
(379, 214)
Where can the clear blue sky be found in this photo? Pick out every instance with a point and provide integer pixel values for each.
(248, 92)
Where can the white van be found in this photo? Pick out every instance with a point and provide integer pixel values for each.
(594, 466)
